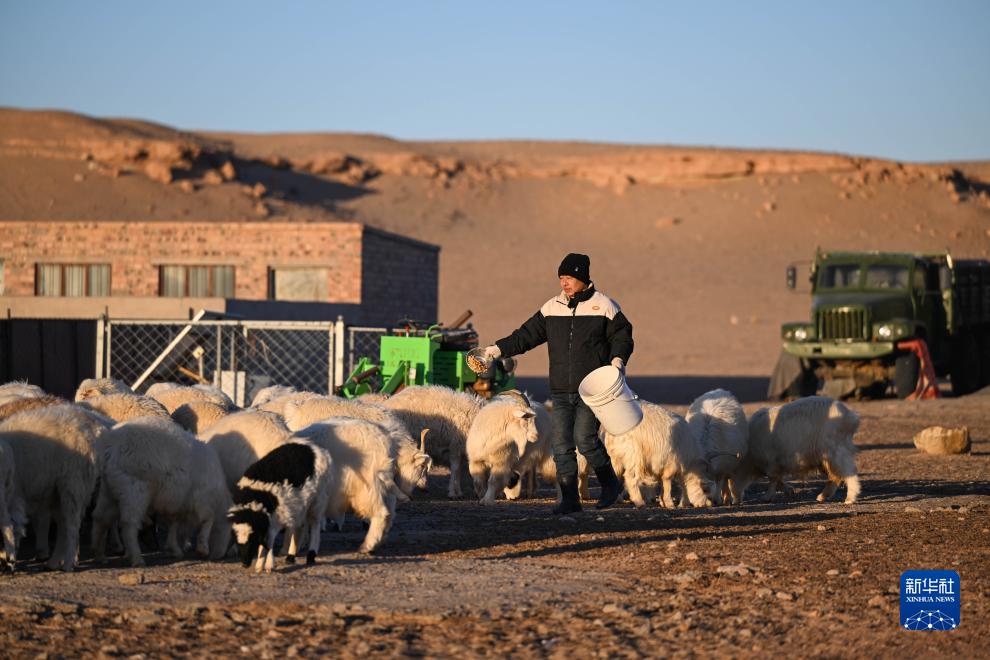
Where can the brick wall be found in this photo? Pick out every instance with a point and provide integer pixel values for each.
(400, 278)
(136, 249)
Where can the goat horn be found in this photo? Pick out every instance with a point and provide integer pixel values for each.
(422, 440)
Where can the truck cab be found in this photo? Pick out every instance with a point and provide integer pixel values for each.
(865, 305)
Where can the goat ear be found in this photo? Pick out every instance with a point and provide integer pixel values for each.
(524, 414)
(423, 459)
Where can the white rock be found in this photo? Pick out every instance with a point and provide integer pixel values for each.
(941, 441)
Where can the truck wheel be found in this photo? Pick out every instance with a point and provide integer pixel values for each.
(907, 368)
(965, 373)
(792, 377)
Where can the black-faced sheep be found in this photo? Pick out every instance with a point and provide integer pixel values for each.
(287, 489)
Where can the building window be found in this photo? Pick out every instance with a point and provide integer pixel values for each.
(311, 284)
(72, 279)
(196, 281)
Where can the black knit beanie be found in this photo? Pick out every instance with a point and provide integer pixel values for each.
(577, 266)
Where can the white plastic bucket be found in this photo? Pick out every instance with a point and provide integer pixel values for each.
(616, 406)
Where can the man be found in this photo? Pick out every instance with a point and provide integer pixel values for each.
(584, 330)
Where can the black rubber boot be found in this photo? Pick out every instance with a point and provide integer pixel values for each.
(570, 501)
(611, 488)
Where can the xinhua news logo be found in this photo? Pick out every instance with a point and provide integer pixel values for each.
(930, 600)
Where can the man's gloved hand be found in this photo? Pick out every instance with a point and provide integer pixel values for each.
(619, 364)
(493, 352)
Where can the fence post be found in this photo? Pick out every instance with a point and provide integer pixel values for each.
(101, 327)
(338, 353)
(109, 350)
(218, 371)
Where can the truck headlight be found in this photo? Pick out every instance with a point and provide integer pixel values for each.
(800, 334)
(892, 330)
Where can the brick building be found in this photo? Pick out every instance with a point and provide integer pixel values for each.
(162, 269)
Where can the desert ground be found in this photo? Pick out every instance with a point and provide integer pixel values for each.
(693, 242)
(455, 579)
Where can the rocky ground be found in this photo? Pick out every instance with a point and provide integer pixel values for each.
(456, 579)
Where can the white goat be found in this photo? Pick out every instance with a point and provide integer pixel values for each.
(497, 442)
(412, 462)
(15, 406)
(12, 516)
(659, 450)
(806, 435)
(538, 461)
(243, 438)
(363, 473)
(278, 405)
(92, 387)
(54, 451)
(152, 465)
(17, 390)
(719, 424)
(271, 393)
(121, 407)
(447, 414)
(197, 416)
(173, 397)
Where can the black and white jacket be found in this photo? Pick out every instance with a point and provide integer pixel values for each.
(582, 333)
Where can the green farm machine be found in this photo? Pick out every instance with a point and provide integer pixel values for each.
(417, 353)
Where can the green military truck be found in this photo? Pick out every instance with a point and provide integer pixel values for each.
(866, 306)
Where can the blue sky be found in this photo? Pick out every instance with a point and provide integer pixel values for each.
(905, 80)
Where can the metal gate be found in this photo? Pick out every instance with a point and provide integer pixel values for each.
(239, 357)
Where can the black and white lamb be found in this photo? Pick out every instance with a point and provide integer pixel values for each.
(288, 488)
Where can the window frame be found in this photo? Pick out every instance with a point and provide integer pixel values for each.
(289, 267)
(211, 279)
(87, 280)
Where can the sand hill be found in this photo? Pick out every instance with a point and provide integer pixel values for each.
(693, 242)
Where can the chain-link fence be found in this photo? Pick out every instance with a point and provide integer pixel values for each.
(240, 357)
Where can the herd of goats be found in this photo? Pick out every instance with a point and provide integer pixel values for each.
(188, 459)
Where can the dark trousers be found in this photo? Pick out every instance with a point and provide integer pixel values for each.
(575, 425)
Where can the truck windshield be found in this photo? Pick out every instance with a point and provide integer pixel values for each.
(886, 276)
(839, 276)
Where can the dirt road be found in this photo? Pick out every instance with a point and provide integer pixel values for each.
(457, 579)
